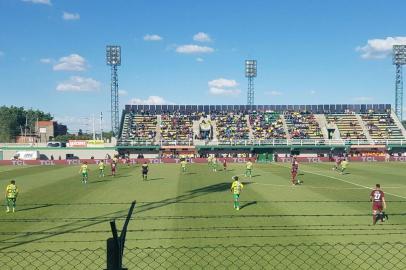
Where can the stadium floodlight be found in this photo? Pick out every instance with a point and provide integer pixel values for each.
(399, 59)
(250, 73)
(113, 59)
(113, 55)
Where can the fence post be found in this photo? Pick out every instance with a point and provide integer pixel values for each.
(113, 254)
(115, 244)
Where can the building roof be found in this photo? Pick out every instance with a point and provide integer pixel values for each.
(45, 123)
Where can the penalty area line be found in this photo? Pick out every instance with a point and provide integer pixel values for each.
(351, 183)
(315, 187)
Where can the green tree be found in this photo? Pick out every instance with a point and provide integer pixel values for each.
(15, 120)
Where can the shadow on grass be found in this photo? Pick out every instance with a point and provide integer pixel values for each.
(248, 204)
(109, 179)
(87, 222)
(34, 207)
(154, 179)
(122, 176)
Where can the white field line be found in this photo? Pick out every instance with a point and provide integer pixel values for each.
(348, 182)
(330, 188)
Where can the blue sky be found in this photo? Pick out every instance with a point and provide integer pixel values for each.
(52, 52)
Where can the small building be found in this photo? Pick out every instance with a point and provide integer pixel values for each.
(47, 130)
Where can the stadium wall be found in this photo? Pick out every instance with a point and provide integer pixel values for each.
(75, 162)
(46, 152)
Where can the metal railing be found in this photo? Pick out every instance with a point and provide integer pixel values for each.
(270, 142)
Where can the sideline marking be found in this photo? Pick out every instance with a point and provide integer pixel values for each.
(332, 188)
(348, 182)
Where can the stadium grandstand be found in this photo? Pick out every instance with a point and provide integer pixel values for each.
(266, 127)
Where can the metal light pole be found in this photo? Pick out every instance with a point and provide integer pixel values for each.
(250, 73)
(399, 59)
(113, 59)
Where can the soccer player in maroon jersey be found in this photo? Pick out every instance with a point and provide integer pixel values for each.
(224, 164)
(293, 171)
(377, 198)
(338, 163)
(113, 168)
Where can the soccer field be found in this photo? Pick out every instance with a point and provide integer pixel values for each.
(55, 211)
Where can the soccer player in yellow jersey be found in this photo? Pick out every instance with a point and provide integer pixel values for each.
(85, 172)
(209, 160)
(101, 166)
(183, 165)
(214, 164)
(236, 188)
(248, 169)
(344, 165)
(11, 196)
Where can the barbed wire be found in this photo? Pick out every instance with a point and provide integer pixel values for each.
(140, 203)
(222, 237)
(84, 219)
(343, 227)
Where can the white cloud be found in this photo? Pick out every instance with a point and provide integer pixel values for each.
(363, 99)
(45, 60)
(223, 87)
(193, 49)
(199, 59)
(43, 2)
(380, 48)
(70, 16)
(202, 37)
(151, 100)
(221, 83)
(122, 92)
(78, 84)
(274, 93)
(224, 92)
(73, 62)
(149, 37)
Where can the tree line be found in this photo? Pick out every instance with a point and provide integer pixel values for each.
(16, 120)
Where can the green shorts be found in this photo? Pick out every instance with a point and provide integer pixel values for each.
(85, 174)
(236, 196)
(11, 201)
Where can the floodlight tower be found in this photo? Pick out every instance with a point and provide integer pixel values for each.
(399, 59)
(250, 73)
(113, 59)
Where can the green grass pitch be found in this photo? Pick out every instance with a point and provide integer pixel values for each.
(194, 209)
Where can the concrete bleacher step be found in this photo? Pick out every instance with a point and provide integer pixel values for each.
(325, 125)
(322, 121)
(196, 131)
(398, 124)
(364, 128)
(251, 132)
(215, 131)
(285, 126)
(158, 136)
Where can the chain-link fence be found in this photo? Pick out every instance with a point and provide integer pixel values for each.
(300, 256)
